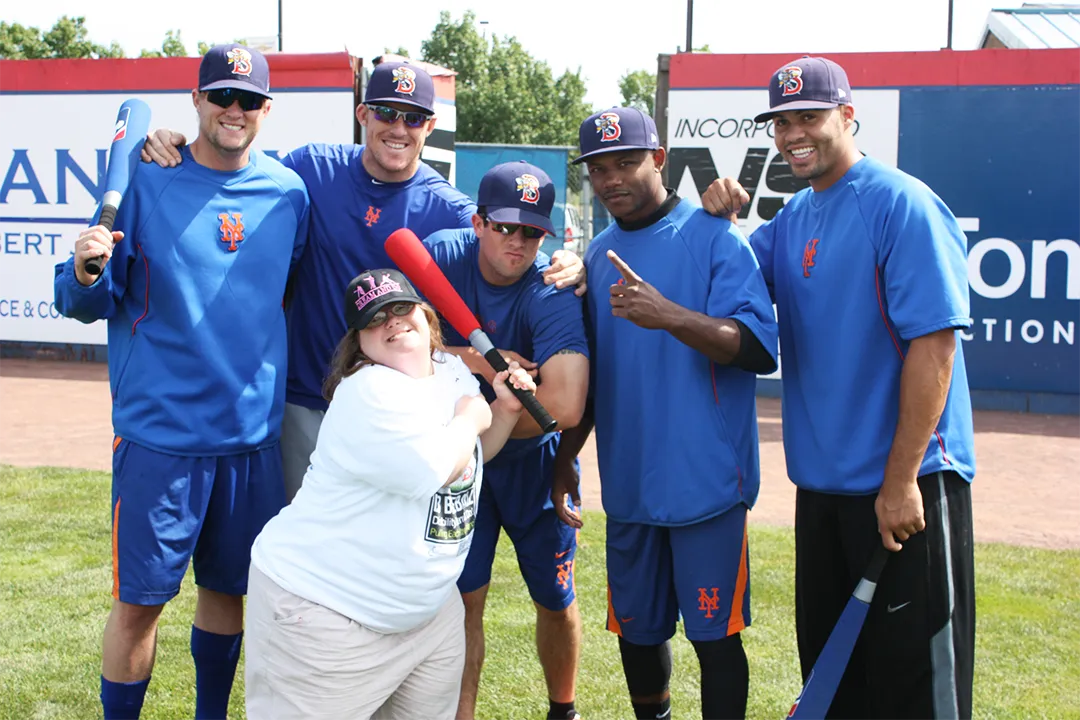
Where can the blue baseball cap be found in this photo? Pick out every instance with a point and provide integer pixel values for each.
(234, 66)
(616, 129)
(517, 192)
(809, 83)
(401, 82)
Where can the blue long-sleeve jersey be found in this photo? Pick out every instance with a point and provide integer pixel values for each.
(193, 298)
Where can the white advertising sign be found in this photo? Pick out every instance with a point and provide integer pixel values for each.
(712, 133)
(719, 125)
(53, 152)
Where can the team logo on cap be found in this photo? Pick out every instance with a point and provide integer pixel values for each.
(240, 59)
(608, 127)
(405, 79)
(386, 285)
(529, 186)
(790, 78)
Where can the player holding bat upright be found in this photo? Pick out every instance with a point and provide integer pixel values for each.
(195, 273)
(868, 268)
(674, 345)
(496, 270)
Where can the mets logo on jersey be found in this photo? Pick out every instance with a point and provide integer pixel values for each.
(232, 229)
(372, 215)
(529, 186)
(809, 253)
(608, 127)
(240, 59)
(405, 78)
(790, 78)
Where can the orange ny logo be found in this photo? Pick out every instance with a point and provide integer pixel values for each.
(566, 572)
(706, 603)
(808, 256)
(232, 230)
(372, 216)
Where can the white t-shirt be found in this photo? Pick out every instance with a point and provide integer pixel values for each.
(373, 534)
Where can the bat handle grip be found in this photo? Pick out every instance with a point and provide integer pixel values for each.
(479, 340)
(108, 217)
(528, 399)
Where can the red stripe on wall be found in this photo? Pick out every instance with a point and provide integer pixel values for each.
(316, 70)
(906, 69)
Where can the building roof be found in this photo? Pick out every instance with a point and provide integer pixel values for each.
(1034, 25)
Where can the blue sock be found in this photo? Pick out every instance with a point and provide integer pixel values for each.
(215, 667)
(122, 701)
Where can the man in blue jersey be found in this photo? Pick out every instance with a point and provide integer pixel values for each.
(195, 271)
(359, 195)
(497, 270)
(868, 270)
(675, 343)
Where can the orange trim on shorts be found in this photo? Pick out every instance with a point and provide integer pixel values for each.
(116, 551)
(116, 442)
(736, 623)
(612, 621)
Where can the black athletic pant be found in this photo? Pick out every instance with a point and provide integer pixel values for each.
(915, 654)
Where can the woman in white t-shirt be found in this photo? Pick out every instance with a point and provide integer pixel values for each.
(352, 607)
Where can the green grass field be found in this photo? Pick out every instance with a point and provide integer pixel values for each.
(54, 595)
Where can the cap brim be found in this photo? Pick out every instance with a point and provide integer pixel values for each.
(521, 217)
(235, 85)
(395, 99)
(795, 105)
(618, 148)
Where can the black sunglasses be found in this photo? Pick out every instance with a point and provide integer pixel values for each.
(225, 97)
(508, 229)
(389, 116)
(400, 309)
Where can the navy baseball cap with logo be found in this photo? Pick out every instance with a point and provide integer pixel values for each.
(373, 290)
(809, 83)
(616, 129)
(234, 66)
(517, 192)
(401, 82)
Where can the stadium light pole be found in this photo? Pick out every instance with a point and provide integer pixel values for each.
(279, 25)
(690, 26)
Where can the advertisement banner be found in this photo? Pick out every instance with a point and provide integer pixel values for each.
(1003, 157)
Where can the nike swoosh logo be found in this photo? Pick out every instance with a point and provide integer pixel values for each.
(559, 555)
(625, 620)
(892, 609)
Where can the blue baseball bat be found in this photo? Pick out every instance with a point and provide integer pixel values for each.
(132, 124)
(820, 687)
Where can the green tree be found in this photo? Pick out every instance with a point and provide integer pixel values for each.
(400, 51)
(66, 39)
(638, 90)
(504, 94)
(172, 46)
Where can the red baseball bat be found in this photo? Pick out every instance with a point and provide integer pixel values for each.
(413, 259)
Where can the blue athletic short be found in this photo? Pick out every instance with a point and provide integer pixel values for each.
(701, 571)
(168, 509)
(516, 496)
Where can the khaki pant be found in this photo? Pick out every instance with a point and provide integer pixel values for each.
(306, 661)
